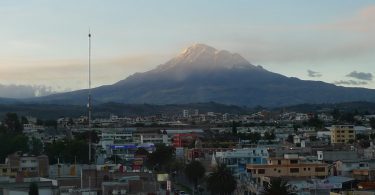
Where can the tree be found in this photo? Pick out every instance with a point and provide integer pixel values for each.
(69, 151)
(290, 139)
(36, 146)
(141, 151)
(85, 136)
(269, 135)
(10, 143)
(50, 123)
(24, 120)
(315, 122)
(13, 123)
(336, 114)
(372, 123)
(221, 181)
(194, 171)
(278, 186)
(160, 158)
(33, 189)
(234, 128)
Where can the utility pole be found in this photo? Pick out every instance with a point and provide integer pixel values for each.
(89, 98)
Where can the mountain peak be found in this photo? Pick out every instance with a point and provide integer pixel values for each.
(198, 48)
(202, 56)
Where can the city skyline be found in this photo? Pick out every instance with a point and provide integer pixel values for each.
(45, 42)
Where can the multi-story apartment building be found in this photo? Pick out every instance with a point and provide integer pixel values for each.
(27, 166)
(342, 134)
(288, 166)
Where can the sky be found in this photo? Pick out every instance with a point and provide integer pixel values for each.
(44, 43)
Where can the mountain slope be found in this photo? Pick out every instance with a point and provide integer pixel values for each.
(202, 74)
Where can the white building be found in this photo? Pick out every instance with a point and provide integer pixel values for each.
(185, 113)
(237, 159)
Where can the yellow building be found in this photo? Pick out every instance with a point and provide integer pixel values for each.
(288, 166)
(6, 170)
(342, 134)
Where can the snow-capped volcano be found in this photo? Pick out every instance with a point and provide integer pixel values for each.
(201, 56)
(202, 73)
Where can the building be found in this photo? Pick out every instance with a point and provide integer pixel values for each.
(237, 159)
(342, 134)
(116, 136)
(25, 166)
(185, 113)
(152, 137)
(291, 165)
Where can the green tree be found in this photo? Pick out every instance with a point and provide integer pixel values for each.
(85, 136)
(221, 181)
(10, 143)
(269, 135)
(50, 123)
(68, 151)
(290, 139)
(194, 171)
(336, 114)
(314, 122)
(141, 151)
(277, 186)
(160, 158)
(33, 189)
(13, 123)
(234, 128)
(36, 146)
(24, 120)
(372, 123)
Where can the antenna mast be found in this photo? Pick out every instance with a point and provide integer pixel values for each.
(89, 98)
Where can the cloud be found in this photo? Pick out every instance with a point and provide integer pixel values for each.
(311, 73)
(71, 74)
(24, 91)
(350, 82)
(361, 75)
(362, 21)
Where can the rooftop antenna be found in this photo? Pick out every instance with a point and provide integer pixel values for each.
(89, 97)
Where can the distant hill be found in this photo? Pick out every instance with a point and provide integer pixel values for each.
(360, 107)
(54, 111)
(203, 74)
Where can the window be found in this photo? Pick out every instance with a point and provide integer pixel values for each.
(4, 170)
(279, 162)
(320, 169)
(293, 161)
(261, 171)
(294, 170)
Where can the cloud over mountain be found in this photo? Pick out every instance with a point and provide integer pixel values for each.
(361, 75)
(350, 82)
(24, 91)
(311, 73)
